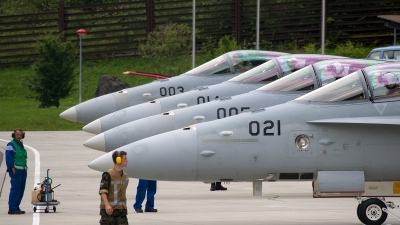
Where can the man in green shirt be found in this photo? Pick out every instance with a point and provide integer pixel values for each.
(16, 158)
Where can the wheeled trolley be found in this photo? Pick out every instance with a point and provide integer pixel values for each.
(44, 196)
(45, 204)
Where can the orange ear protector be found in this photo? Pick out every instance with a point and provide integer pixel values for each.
(118, 160)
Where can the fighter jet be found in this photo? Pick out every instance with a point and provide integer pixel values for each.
(215, 71)
(344, 137)
(280, 91)
(248, 81)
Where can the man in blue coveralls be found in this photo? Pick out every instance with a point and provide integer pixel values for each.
(16, 157)
(151, 187)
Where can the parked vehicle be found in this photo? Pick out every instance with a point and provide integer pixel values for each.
(390, 52)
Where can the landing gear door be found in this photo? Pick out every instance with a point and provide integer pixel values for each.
(339, 183)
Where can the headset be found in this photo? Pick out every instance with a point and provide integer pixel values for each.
(118, 160)
(13, 133)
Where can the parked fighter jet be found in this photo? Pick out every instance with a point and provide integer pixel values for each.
(344, 137)
(215, 71)
(248, 81)
(277, 92)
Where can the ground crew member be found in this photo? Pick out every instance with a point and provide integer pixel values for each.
(16, 157)
(149, 186)
(216, 186)
(113, 187)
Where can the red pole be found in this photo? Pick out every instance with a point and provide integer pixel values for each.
(153, 75)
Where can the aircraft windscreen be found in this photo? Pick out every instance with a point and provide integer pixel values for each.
(347, 88)
(265, 72)
(243, 61)
(292, 63)
(219, 65)
(385, 83)
(300, 80)
(331, 70)
(235, 62)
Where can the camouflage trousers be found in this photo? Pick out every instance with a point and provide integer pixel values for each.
(115, 219)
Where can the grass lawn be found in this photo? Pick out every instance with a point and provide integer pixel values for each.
(18, 108)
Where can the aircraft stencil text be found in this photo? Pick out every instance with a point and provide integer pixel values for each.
(202, 99)
(170, 91)
(255, 127)
(222, 112)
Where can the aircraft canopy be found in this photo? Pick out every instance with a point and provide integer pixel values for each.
(383, 81)
(234, 62)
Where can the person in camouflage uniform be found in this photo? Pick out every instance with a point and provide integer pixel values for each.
(113, 187)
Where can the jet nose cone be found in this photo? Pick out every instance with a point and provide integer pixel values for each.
(69, 114)
(131, 132)
(130, 114)
(102, 164)
(168, 156)
(97, 142)
(93, 127)
(95, 108)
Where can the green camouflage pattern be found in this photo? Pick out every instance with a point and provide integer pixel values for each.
(118, 217)
(105, 181)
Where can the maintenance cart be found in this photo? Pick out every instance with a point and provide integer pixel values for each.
(44, 195)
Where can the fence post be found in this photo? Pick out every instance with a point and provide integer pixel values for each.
(61, 19)
(238, 34)
(150, 15)
(323, 25)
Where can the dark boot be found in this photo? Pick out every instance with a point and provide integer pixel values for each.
(218, 186)
(212, 187)
(139, 210)
(16, 212)
(150, 210)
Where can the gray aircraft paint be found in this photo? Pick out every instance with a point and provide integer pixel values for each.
(345, 135)
(335, 136)
(283, 90)
(248, 81)
(205, 74)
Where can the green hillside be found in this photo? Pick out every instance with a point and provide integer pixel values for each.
(19, 109)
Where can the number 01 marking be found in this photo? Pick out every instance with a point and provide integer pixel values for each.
(255, 127)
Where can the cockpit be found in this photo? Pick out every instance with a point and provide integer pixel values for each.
(318, 74)
(375, 82)
(331, 71)
(234, 62)
(279, 67)
(385, 83)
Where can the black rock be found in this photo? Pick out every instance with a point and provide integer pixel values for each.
(109, 84)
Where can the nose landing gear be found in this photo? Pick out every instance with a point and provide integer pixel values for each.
(374, 211)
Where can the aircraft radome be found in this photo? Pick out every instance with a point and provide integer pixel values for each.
(344, 137)
(248, 81)
(215, 71)
(280, 91)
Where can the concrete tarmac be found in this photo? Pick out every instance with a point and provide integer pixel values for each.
(180, 203)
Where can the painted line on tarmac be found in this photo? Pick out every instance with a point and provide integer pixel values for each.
(36, 216)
